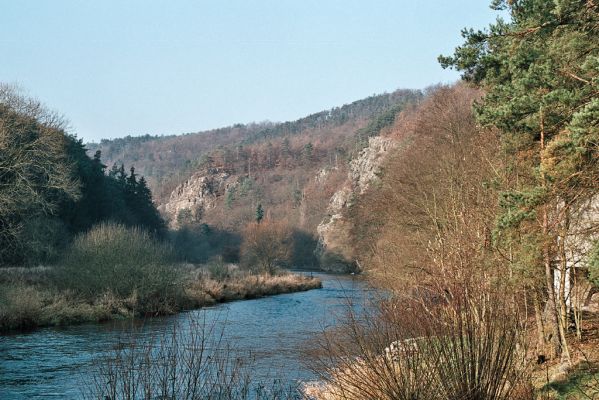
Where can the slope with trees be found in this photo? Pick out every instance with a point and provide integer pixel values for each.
(485, 224)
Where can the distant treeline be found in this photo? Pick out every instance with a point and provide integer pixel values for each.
(167, 161)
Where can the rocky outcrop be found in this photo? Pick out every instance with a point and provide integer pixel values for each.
(365, 169)
(334, 240)
(197, 194)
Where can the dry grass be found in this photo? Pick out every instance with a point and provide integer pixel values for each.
(240, 285)
(28, 300)
(466, 347)
(25, 307)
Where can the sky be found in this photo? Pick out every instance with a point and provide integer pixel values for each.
(133, 67)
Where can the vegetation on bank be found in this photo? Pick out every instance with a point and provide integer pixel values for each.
(51, 191)
(25, 305)
(114, 272)
(485, 225)
(106, 248)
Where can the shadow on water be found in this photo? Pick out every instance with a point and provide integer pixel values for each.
(273, 331)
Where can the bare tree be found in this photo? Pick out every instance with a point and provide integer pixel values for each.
(35, 173)
(266, 245)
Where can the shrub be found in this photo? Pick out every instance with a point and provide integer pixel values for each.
(265, 245)
(218, 269)
(43, 240)
(188, 361)
(20, 307)
(469, 347)
(123, 261)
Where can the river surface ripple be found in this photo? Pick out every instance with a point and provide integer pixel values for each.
(52, 363)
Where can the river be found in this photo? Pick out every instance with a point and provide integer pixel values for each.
(52, 363)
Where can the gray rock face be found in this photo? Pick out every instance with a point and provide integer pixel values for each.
(364, 169)
(197, 194)
(334, 247)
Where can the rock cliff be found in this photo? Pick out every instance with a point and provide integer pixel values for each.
(197, 194)
(334, 233)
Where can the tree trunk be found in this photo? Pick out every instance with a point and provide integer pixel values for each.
(541, 339)
(553, 317)
(561, 298)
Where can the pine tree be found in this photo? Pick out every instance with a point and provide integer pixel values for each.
(259, 213)
(121, 175)
(113, 171)
(307, 153)
(230, 198)
(540, 75)
(132, 180)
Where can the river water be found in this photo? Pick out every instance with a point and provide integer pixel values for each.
(52, 363)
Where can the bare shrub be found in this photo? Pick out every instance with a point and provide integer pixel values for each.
(467, 348)
(35, 174)
(20, 307)
(191, 360)
(124, 261)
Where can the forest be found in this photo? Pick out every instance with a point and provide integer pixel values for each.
(473, 206)
(485, 225)
(80, 242)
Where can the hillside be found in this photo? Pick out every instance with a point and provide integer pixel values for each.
(216, 179)
(167, 161)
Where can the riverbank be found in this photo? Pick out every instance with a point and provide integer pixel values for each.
(28, 300)
(552, 379)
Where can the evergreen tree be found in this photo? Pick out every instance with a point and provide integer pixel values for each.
(259, 213)
(98, 161)
(121, 175)
(540, 74)
(132, 180)
(113, 171)
(307, 153)
(230, 198)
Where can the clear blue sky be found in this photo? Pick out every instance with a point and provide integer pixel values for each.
(124, 67)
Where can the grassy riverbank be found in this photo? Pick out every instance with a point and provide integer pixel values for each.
(28, 300)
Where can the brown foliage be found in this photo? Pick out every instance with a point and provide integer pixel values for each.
(266, 245)
(431, 219)
(465, 348)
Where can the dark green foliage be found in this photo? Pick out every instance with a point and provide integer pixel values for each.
(259, 213)
(297, 195)
(541, 74)
(201, 243)
(540, 71)
(375, 126)
(307, 153)
(116, 197)
(230, 198)
(302, 253)
(366, 108)
(50, 190)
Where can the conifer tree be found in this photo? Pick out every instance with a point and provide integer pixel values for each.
(540, 71)
(259, 213)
